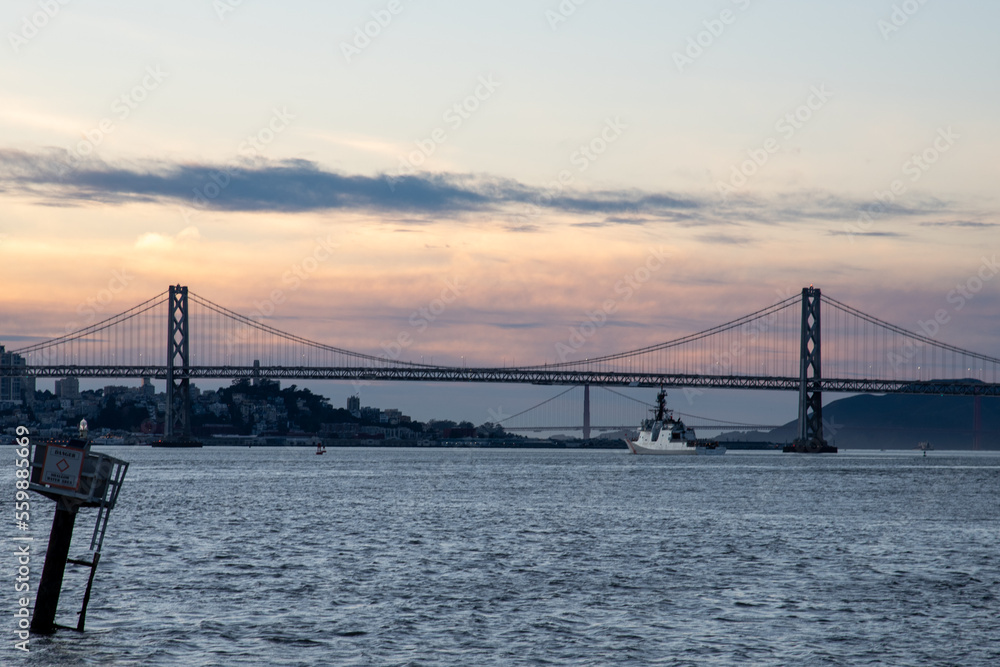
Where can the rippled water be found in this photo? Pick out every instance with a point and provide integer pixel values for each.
(264, 556)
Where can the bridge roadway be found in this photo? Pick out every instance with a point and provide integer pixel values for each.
(533, 375)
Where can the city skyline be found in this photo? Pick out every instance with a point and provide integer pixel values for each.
(472, 184)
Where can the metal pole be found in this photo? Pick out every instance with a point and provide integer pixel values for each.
(86, 595)
(47, 600)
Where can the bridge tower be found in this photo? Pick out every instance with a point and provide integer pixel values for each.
(586, 412)
(178, 426)
(810, 372)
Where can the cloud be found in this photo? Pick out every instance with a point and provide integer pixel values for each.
(967, 224)
(892, 235)
(724, 239)
(54, 177)
(520, 325)
(154, 241)
(824, 207)
(614, 220)
(300, 186)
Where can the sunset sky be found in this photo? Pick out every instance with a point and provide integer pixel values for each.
(533, 153)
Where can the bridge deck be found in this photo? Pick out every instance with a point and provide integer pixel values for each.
(538, 376)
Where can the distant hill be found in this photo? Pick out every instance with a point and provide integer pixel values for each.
(899, 421)
(745, 436)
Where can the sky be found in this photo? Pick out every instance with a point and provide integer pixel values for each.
(531, 153)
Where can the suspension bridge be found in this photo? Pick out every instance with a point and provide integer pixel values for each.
(805, 343)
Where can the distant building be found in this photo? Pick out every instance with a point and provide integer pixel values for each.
(68, 387)
(147, 387)
(14, 388)
(354, 405)
(114, 390)
(28, 389)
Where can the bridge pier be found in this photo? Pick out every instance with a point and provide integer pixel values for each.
(586, 412)
(178, 426)
(977, 423)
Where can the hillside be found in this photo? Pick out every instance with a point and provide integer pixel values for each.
(897, 421)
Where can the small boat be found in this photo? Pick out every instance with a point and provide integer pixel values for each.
(664, 435)
(320, 449)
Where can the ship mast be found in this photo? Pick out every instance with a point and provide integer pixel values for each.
(661, 405)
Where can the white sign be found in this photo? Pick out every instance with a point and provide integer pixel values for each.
(62, 467)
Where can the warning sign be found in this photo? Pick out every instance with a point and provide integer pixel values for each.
(62, 467)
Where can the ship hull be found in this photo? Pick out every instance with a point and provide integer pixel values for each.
(636, 448)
